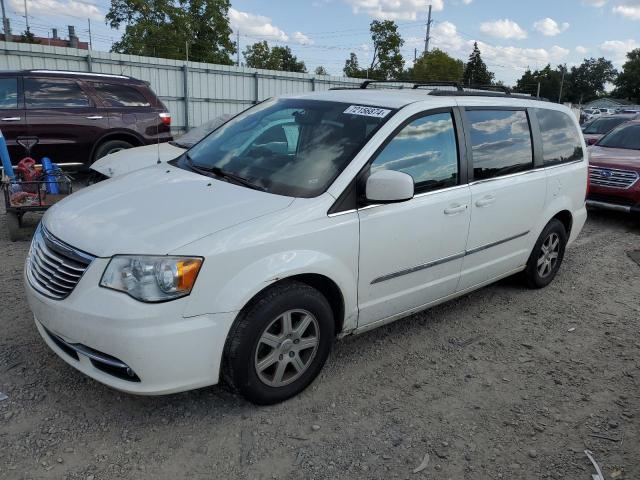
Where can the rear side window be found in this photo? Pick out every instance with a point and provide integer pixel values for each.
(626, 136)
(115, 95)
(427, 150)
(8, 93)
(561, 141)
(500, 142)
(53, 93)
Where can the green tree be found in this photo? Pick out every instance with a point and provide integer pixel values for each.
(628, 82)
(475, 71)
(387, 62)
(321, 70)
(437, 66)
(548, 78)
(260, 55)
(174, 29)
(352, 67)
(28, 37)
(587, 81)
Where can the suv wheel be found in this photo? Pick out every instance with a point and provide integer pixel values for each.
(279, 343)
(109, 147)
(547, 255)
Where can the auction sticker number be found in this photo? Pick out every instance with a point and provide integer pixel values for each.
(367, 111)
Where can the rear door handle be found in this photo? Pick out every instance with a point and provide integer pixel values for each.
(11, 119)
(455, 209)
(95, 117)
(486, 201)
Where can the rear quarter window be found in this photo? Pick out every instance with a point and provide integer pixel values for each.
(500, 142)
(8, 93)
(561, 140)
(116, 95)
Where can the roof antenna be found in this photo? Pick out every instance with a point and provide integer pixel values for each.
(158, 162)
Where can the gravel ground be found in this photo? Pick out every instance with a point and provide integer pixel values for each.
(503, 383)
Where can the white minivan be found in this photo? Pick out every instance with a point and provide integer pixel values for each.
(304, 219)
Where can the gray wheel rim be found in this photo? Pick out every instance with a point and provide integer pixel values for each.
(114, 150)
(548, 258)
(287, 348)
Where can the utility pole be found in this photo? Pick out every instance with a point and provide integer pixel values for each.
(26, 16)
(90, 40)
(5, 23)
(186, 49)
(538, 94)
(561, 85)
(427, 38)
(238, 47)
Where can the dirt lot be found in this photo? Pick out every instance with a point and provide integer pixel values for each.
(503, 383)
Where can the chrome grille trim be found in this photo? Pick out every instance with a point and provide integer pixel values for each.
(613, 177)
(53, 267)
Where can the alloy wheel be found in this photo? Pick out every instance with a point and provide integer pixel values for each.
(287, 347)
(550, 250)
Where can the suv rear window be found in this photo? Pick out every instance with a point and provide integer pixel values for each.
(54, 93)
(626, 136)
(114, 95)
(560, 139)
(605, 125)
(8, 93)
(500, 142)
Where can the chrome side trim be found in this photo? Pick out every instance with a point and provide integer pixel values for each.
(417, 268)
(512, 175)
(89, 353)
(337, 214)
(450, 258)
(495, 244)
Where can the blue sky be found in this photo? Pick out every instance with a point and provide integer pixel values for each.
(512, 34)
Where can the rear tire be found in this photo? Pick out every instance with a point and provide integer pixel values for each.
(109, 147)
(268, 362)
(546, 257)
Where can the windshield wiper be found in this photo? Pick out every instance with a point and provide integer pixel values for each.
(218, 172)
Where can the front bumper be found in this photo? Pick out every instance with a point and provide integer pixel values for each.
(104, 333)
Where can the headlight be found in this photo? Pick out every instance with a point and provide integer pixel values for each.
(152, 279)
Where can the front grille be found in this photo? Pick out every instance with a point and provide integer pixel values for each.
(612, 177)
(53, 267)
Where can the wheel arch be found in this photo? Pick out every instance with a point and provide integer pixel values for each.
(325, 285)
(124, 135)
(566, 218)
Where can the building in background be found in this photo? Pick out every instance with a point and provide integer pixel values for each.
(55, 41)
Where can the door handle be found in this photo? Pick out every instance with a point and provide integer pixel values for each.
(11, 119)
(486, 201)
(455, 209)
(95, 117)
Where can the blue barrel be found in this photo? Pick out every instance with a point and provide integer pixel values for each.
(50, 177)
(6, 160)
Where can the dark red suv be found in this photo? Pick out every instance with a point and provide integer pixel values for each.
(79, 117)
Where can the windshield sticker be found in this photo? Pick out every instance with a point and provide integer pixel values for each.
(367, 111)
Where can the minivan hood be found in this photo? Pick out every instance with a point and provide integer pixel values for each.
(154, 211)
(132, 159)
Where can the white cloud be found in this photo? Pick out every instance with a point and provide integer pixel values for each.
(503, 29)
(467, 2)
(255, 25)
(518, 59)
(445, 37)
(394, 9)
(581, 50)
(302, 39)
(549, 27)
(70, 8)
(616, 50)
(629, 9)
(595, 3)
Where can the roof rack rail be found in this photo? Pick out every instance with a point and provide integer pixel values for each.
(457, 86)
(366, 83)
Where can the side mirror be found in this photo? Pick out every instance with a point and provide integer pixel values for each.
(389, 186)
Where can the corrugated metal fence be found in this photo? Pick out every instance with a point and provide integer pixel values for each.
(194, 92)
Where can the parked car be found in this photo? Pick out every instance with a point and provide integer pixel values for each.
(303, 219)
(595, 130)
(614, 170)
(79, 117)
(125, 161)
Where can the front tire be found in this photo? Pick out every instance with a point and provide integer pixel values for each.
(279, 343)
(546, 257)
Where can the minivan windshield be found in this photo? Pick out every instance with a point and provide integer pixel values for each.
(292, 147)
(604, 125)
(626, 136)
